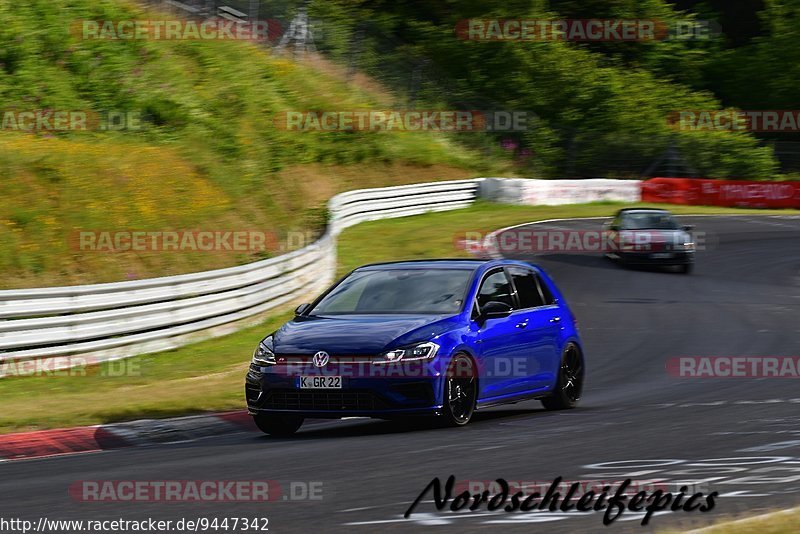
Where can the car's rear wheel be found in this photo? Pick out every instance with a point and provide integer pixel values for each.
(569, 384)
(278, 424)
(460, 391)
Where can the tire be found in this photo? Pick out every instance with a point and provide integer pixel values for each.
(569, 384)
(278, 425)
(686, 268)
(460, 392)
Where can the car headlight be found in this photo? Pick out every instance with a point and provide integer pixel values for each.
(685, 246)
(421, 351)
(263, 354)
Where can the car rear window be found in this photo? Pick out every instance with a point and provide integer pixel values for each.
(649, 221)
(531, 290)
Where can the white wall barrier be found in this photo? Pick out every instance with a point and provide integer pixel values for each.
(556, 192)
(57, 327)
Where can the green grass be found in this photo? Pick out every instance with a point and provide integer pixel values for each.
(208, 376)
(207, 143)
(781, 522)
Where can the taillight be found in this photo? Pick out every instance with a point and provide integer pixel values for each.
(626, 244)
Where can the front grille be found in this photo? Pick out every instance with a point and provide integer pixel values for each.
(289, 399)
(309, 359)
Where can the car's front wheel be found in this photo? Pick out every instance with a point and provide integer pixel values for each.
(460, 391)
(279, 425)
(569, 384)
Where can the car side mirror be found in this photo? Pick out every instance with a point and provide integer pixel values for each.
(495, 310)
(301, 309)
(688, 227)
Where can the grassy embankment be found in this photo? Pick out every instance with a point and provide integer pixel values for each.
(204, 155)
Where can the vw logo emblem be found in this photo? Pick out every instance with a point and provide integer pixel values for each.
(321, 358)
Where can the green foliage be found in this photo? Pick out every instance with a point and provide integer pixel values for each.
(606, 98)
(764, 74)
(223, 92)
(207, 153)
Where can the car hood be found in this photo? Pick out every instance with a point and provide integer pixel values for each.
(358, 334)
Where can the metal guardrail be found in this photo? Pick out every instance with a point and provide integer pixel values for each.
(229, 13)
(117, 320)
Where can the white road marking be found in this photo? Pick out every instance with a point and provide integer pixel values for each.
(769, 447)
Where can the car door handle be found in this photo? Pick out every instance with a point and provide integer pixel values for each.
(523, 324)
(555, 320)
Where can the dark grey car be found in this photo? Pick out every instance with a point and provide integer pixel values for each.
(650, 236)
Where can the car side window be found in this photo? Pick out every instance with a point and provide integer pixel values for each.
(495, 287)
(527, 287)
(547, 295)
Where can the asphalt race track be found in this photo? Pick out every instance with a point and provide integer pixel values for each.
(738, 436)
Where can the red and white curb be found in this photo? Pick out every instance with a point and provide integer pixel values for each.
(44, 443)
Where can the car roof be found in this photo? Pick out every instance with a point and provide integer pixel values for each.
(646, 210)
(444, 263)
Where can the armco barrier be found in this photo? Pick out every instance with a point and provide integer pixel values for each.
(117, 320)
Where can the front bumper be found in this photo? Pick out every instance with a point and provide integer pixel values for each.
(380, 392)
(657, 258)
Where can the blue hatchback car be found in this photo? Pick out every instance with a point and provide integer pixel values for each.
(440, 338)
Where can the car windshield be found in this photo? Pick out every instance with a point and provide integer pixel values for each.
(419, 291)
(649, 221)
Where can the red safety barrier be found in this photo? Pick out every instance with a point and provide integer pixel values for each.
(722, 192)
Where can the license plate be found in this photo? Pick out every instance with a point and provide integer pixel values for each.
(661, 255)
(320, 382)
